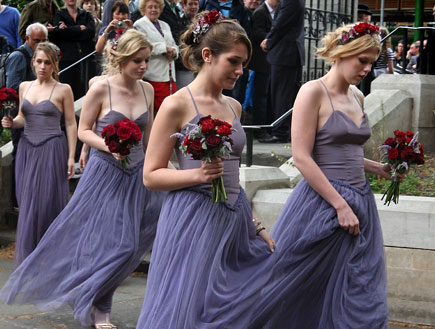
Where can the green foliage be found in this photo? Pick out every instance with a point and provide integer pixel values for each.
(413, 184)
(20, 4)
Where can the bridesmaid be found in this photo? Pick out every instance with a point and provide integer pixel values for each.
(206, 256)
(45, 157)
(110, 222)
(330, 272)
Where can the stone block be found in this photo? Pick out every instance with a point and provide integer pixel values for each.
(291, 171)
(260, 177)
(267, 204)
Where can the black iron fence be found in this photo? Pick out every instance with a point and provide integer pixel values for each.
(322, 16)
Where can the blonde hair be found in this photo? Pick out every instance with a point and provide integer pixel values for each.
(221, 37)
(128, 44)
(53, 53)
(143, 3)
(333, 50)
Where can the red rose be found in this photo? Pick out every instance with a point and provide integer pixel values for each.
(408, 140)
(186, 141)
(389, 141)
(359, 27)
(393, 154)
(195, 144)
(124, 131)
(409, 134)
(108, 131)
(114, 147)
(224, 130)
(399, 133)
(373, 28)
(207, 124)
(212, 141)
(124, 150)
(137, 135)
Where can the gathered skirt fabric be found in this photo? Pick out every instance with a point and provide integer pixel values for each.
(323, 277)
(207, 266)
(93, 245)
(41, 189)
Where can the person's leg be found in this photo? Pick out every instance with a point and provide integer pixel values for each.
(103, 307)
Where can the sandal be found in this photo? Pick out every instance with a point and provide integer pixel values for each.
(105, 326)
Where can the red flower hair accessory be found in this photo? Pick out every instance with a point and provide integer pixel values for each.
(358, 30)
(203, 24)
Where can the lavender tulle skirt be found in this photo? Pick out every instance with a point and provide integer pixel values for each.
(93, 245)
(41, 189)
(207, 265)
(324, 278)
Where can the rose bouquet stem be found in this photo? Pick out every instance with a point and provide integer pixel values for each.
(218, 193)
(392, 193)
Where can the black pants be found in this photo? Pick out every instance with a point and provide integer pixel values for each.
(260, 99)
(285, 82)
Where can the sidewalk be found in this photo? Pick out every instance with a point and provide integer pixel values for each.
(127, 304)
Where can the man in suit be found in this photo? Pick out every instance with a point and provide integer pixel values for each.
(286, 55)
(261, 25)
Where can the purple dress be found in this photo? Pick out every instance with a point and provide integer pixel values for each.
(40, 174)
(206, 255)
(96, 241)
(323, 277)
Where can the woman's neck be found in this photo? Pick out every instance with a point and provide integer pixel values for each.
(44, 81)
(123, 80)
(335, 81)
(205, 85)
(72, 10)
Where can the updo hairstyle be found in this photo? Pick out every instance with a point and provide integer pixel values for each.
(220, 38)
(333, 50)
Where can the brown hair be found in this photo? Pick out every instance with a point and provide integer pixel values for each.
(220, 38)
(53, 52)
(332, 50)
(123, 8)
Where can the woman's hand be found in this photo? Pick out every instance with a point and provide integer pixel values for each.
(7, 122)
(62, 25)
(118, 156)
(71, 168)
(268, 239)
(83, 160)
(385, 172)
(128, 23)
(170, 53)
(210, 170)
(348, 220)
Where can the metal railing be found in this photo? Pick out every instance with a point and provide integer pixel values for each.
(249, 130)
(86, 73)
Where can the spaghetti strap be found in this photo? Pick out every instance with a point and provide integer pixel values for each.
(329, 96)
(55, 84)
(28, 88)
(232, 110)
(110, 96)
(193, 100)
(357, 99)
(144, 95)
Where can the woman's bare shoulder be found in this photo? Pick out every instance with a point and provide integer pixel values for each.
(235, 105)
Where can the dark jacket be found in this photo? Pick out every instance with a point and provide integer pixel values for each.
(261, 24)
(238, 11)
(285, 40)
(33, 12)
(173, 20)
(72, 41)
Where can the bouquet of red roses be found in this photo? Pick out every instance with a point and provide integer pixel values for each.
(120, 137)
(209, 139)
(400, 152)
(8, 101)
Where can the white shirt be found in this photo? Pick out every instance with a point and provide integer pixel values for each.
(271, 10)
